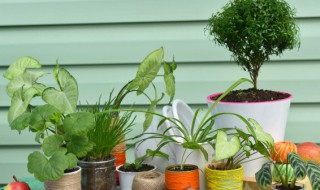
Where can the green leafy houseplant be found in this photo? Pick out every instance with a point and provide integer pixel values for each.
(300, 168)
(60, 129)
(253, 30)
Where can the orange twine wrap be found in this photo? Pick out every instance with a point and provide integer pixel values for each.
(120, 159)
(180, 180)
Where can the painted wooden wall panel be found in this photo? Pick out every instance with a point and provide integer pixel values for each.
(101, 43)
(27, 12)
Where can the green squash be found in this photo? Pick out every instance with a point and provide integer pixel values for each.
(282, 168)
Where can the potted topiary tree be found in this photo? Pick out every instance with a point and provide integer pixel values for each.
(253, 30)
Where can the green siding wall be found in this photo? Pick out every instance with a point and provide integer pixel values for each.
(101, 43)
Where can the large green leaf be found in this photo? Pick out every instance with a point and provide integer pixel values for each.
(261, 135)
(264, 176)
(313, 171)
(48, 169)
(25, 81)
(66, 98)
(79, 145)
(149, 116)
(78, 123)
(147, 71)
(224, 148)
(19, 66)
(298, 166)
(196, 146)
(52, 144)
(20, 102)
(41, 116)
(72, 160)
(21, 122)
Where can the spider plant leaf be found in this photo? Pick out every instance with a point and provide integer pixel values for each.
(149, 115)
(66, 98)
(264, 176)
(19, 66)
(313, 171)
(147, 71)
(224, 148)
(298, 165)
(196, 146)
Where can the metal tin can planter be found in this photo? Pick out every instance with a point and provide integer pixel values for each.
(177, 179)
(224, 179)
(98, 175)
(69, 181)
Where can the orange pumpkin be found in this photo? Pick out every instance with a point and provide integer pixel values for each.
(283, 148)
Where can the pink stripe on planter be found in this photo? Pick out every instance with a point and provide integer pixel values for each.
(265, 102)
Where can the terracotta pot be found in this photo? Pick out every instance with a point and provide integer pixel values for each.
(69, 181)
(224, 179)
(179, 180)
(98, 175)
(274, 124)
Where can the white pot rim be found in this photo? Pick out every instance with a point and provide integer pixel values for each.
(241, 103)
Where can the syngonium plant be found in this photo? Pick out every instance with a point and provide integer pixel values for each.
(253, 30)
(59, 127)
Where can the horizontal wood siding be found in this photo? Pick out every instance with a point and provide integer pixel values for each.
(101, 42)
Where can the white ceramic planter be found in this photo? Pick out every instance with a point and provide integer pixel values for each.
(195, 158)
(271, 115)
(126, 178)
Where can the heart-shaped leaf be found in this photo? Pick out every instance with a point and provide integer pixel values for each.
(147, 71)
(78, 123)
(19, 66)
(52, 144)
(66, 98)
(21, 122)
(41, 115)
(264, 176)
(25, 81)
(261, 135)
(47, 169)
(79, 145)
(224, 148)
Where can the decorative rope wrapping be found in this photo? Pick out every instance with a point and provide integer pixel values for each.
(70, 181)
(151, 180)
(224, 179)
(180, 180)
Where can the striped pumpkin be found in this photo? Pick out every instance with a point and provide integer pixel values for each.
(281, 151)
(282, 172)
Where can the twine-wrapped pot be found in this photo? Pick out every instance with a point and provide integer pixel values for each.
(224, 179)
(188, 179)
(150, 180)
(98, 175)
(69, 181)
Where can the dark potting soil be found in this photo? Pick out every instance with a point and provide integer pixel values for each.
(184, 168)
(70, 170)
(281, 187)
(130, 168)
(252, 95)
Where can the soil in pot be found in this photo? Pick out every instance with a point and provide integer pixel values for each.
(253, 95)
(130, 168)
(279, 186)
(183, 169)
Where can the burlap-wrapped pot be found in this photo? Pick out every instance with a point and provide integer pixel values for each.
(69, 181)
(151, 180)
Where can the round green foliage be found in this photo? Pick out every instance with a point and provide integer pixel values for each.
(253, 30)
(284, 170)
